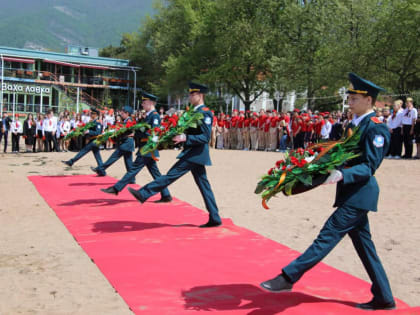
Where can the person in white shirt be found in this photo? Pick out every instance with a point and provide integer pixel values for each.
(394, 124)
(326, 129)
(65, 129)
(408, 121)
(16, 127)
(49, 128)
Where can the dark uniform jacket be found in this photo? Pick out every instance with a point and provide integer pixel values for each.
(95, 130)
(153, 119)
(359, 188)
(126, 142)
(196, 147)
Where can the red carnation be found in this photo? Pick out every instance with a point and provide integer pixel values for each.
(311, 152)
(270, 171)
(279, 163)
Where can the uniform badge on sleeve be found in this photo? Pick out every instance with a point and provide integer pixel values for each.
(207, 120)
(155, 121)
(378, 141)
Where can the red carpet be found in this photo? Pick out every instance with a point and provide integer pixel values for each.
(161, 263)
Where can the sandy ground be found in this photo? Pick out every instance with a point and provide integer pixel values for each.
(44, 271)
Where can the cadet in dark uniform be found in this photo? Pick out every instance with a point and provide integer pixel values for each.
(91, 146)
(153, 119)
(125, 148)
(357, 194)
(192, 159)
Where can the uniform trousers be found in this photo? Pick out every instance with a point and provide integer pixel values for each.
(273, 138)
(180, 168)
(355, 223)
(115, 156)
(139, 163)
(91, 146)
(408, 141)
(226, 139)
(233, 138)
(5, 136)
(240, 143)
(15, 142)
(246, 138)
(395, 147)
(50, 137)
(261, 140)
(253, 132)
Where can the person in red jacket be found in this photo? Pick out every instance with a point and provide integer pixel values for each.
(261, 135)
(240, 126)
(233, 129)
(245, 131)
(226, 133)
(213, 131)
(253, 131)
(274, 123)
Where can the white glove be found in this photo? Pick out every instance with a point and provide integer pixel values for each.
(179, 138)
(335, 177)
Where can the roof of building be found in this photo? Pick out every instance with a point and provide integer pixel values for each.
(76, 59)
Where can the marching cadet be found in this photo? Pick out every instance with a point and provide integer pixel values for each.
(226, 133)
(154, 120)
(90, 134)
(357, 194)
(16, 128)
(125, 148)
(253, 131)
(194, 157)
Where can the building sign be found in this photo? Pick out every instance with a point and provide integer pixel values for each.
(25, 88)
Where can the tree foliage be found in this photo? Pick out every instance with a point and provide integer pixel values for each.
(246, 47)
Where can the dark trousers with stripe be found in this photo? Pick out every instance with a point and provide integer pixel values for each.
(355, 223)
(138, 165)
(179, 169)
(91, 146)
(115, 156)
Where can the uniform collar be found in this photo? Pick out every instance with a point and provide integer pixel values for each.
(356, 120)
(149, 112)
(196, 107)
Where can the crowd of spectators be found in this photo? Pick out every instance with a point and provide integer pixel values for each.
(265, 131)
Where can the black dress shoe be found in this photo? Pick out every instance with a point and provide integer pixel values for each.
(164, 199)
(110, 190)
(211, 224)
(136, 194)
(278, 284)
(375, 305)
(68, 163)
(95, 169)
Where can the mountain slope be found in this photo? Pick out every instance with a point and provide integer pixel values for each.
(53, 24)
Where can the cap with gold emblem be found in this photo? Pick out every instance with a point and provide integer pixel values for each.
(195, 87)
(362, 86)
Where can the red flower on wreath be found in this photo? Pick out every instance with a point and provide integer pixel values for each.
(270, 171)
(311, 152)
(279, 163)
